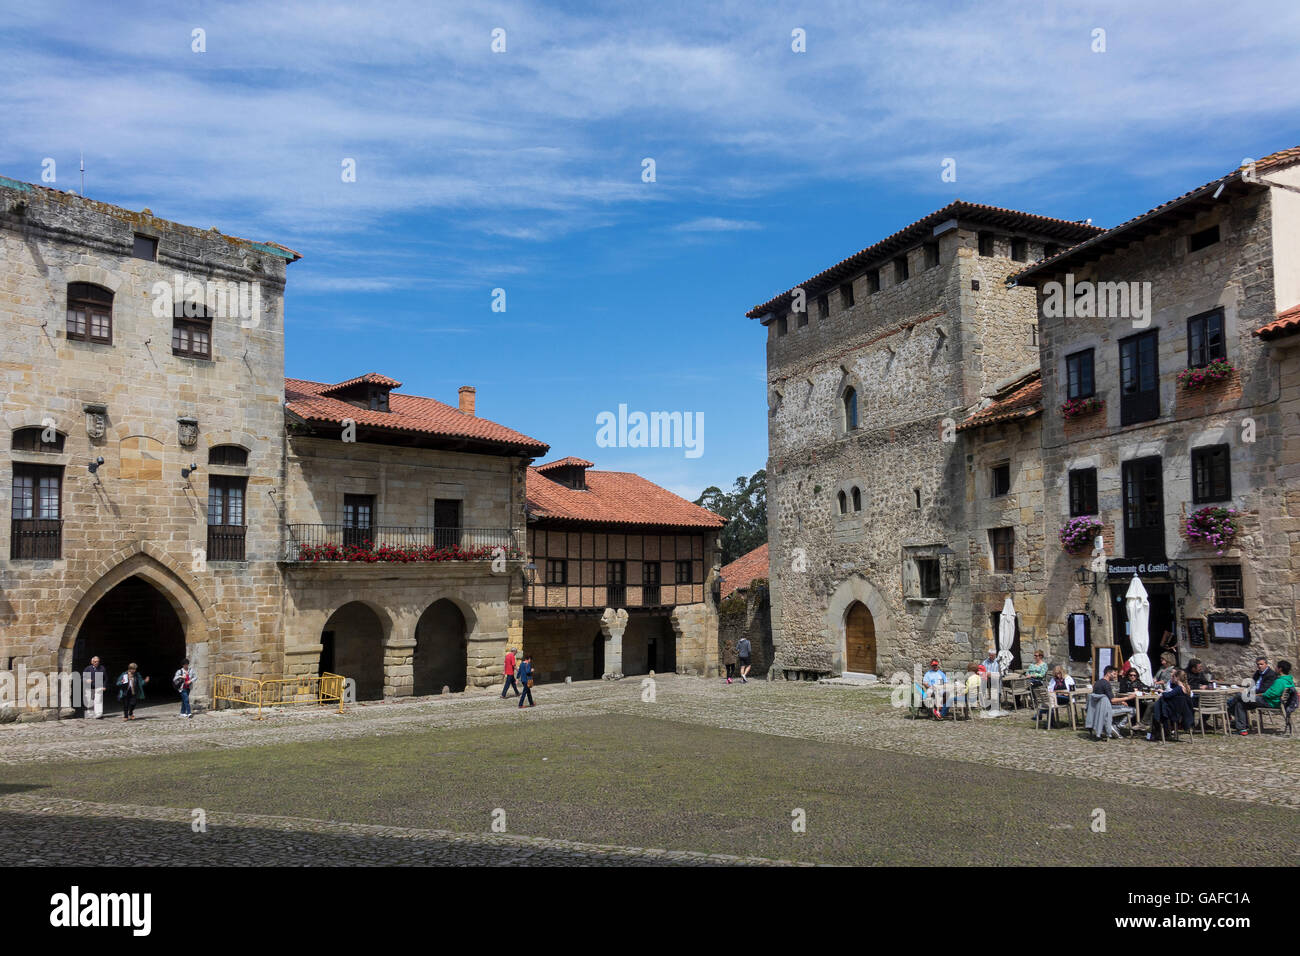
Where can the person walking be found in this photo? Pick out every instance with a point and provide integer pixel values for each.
(526, 681)
(742, 655)
(184, 683)
(729, 658)
(92, 680)
(509, 669)
(130, 688)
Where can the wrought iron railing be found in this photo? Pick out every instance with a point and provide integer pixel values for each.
(34, 539)
(225, 543)
(338, 542)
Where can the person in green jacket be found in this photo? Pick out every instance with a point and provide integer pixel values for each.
(130, 688)
(1276, 693)
(1037, 671)
(1270, 691)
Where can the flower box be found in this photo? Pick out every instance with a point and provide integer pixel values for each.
(1077, 534)
(1220, 370)
(1079, 407)
(1213, 525)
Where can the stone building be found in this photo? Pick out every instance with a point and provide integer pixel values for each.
(620, 576)
(143, 440)
(872, 364)
(404, 521)
(1203, 287)
(1003, 501)
(745, 610)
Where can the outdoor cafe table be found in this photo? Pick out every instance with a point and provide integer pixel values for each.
(1149, 698)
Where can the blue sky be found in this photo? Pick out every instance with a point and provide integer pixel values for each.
(522, 170)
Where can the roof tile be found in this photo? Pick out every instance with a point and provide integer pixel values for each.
(738, 574)
(614, 497)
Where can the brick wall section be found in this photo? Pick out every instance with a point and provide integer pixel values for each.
(140, 518)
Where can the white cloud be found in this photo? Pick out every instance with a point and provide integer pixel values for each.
(717, 224)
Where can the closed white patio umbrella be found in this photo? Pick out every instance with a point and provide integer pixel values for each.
(1138, 607)
(1006, 633)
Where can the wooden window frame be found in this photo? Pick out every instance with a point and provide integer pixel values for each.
(37, 536)
(557, 572)
(1002, 543)
(189, 326)
(1206, 486)
(1083, 492)
(995, 473)
(1074, 374)
(1202, 353)
(1140, 404)
(226, 538)
(929, 575)
(1140, 538)
(689, 568)
(78, 294)
(152, 241)
(1227, 579)
(987, 244)
(222, 455)
(29, 440)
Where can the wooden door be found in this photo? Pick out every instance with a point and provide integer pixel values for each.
(860, 641)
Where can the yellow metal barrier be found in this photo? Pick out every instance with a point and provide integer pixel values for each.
(272, 691)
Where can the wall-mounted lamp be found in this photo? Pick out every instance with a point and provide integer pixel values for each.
(529, 573)
(94, 465)
(186, 472)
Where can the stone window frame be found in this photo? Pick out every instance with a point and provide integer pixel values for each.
(1019, 249)
(873, 281)
(994, 468)
(902, 269)
(986, 243)
(843, 499)
(932, 256)
(912, 577)
(20, 438)
(856, 497)
(849, 390)
(847, 298)
(1209, 353)
(1203, 234)
(823, 306)
(1070, 495)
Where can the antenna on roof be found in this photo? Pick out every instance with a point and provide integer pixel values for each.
(83, 172)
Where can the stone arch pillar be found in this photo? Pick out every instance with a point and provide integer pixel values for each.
(612, 624)
(857, 589)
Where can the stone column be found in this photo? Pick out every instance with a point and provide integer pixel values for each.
(399, 668)
(612, 624)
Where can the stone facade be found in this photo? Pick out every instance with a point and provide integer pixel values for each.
(910, 351)
(1240, 276)
(408, 619)
(147, 412)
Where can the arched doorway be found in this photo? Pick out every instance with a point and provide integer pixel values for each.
(133, 623)
(440, 652)
(354, 636)
(859, 640)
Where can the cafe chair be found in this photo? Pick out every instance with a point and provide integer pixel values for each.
(1044, 703)
(1211, 706)
(1286, 707)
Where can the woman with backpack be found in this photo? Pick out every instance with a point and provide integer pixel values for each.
(184, 683)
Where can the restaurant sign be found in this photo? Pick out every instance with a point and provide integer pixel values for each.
(1117, 568)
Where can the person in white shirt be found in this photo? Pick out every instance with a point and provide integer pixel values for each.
(1061, 684)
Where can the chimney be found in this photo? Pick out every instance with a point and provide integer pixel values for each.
(467, 400)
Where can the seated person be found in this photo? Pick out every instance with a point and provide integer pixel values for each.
(1118, 709)
(935, 682)
(1061, 684)
(990, 663)
(1173, 709)
(1166, 670)
(1037, 671)
(1270, 691)
(1129, 680)
(1197, 675)
(973, 680)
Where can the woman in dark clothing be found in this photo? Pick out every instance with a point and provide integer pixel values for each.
(130, 688)
(1129, 680)
(1173, 709)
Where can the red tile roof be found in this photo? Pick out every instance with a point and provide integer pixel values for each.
(370, 378)
(1115, 236)
(406, 414)
(614, 497)
(1286, 323)
(569, 462)
(1022, 399)
(923, 228)
(739, 573)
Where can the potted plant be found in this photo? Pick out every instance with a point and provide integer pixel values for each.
(1078, 407)
(1213, 525)
(1078, 533)
(1214, 373)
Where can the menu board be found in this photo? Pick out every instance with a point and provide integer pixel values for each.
(1196, 632)
(1229, 628)
(1103, 656)
(1076, 633)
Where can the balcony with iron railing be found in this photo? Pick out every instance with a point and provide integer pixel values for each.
(316, 543)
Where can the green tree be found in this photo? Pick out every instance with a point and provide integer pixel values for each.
(745, 508)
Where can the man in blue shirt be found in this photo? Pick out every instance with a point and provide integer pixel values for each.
(935, 681)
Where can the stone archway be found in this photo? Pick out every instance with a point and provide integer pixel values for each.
(353, 642)
(441, 655)
(185, 597)
(133, 623)
(857, 590)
